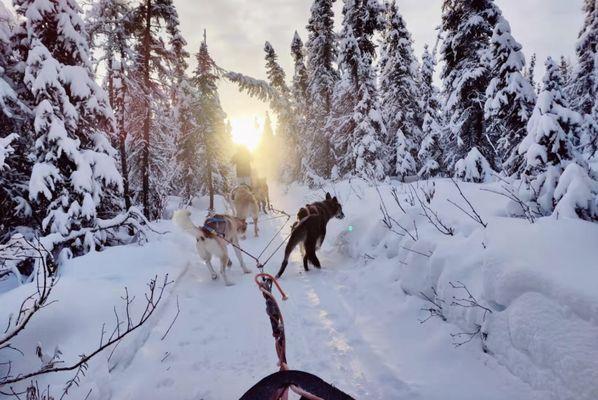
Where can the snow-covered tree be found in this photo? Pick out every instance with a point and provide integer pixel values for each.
(74, 162)
(399, 94)
(211, 140)
(566, 71)
(530, 71)
(107, 22)
(430, 154)
(548, 149)
(321, 52)
(286, 126)
(356, 127)
(265, 159)
(151, 127)
(584, 84)
(510, 97)
(299, 100)
(467, 27)
(15, 142)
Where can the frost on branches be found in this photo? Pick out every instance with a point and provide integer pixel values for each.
(74, 167)
(399, 94)
(467, 28)
(510, 97)
(356, 129)
(548, 151)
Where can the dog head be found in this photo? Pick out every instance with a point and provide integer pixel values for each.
(335, 206)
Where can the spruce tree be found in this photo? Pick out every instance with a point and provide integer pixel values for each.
(547, 148)
(467, 27)
(299, 101)
(267, 149)
(286, 127)
(530, 71)
(321, 52)
(584, 84)
(15, 141)
(510, 97)
(74, 166)
(430, 154)
(151, 127)
(108, 25)
(356, 129)
(211, 139)
(399, 94)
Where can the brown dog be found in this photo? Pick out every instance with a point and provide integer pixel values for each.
(245, 205)
(262, 194)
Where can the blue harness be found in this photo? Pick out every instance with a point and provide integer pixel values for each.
(215, 226)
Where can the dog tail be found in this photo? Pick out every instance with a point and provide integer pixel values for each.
(182, 219)
(298, 234)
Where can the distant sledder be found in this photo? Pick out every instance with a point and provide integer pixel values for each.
(310, 230)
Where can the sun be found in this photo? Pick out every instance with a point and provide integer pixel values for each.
(246, 131)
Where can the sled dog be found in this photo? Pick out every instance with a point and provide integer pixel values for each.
(310, 232)
(262, 194)
(213, 237)
(245, 205)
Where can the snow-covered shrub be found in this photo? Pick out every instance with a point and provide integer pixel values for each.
(576, 194)
(474, 167)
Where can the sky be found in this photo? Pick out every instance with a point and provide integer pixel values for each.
(237, 30)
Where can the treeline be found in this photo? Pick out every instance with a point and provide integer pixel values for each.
(370, 109)
(77, 151)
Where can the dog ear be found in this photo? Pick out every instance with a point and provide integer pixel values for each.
(335, 199)
(328, 196)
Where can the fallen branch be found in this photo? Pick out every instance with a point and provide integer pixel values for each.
(473, 214)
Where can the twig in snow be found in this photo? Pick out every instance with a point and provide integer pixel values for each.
(474, 214)
(178, 311)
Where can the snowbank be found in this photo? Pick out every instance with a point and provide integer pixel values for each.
(538, 281)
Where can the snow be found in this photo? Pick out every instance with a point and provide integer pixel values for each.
(356, 322)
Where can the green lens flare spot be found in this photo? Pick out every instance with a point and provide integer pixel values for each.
(350, 228)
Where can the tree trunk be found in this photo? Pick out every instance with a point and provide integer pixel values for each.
(147, 121)
(122, 134)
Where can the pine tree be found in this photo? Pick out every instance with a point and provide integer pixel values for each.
(321, 51)
(565, 70)
(467, 27)
(399, 94)
(530, 71)
(214, 148)
(355, 124)
(15, 142)
(267, 148)
(584, 84)
(151, 127)
(547, 148)
(74, 162)
(107, 23)
(299, 101)
(430, 155)
(510, 97)
(286, 128)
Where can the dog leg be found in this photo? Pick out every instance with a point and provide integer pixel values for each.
(310, 251)
(211, 268)
(305, 266)
(240, 258)
(255, 228)
(223, 261)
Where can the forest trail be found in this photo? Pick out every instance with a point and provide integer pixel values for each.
(344, 323)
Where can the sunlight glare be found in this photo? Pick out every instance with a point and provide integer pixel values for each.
(247, 131)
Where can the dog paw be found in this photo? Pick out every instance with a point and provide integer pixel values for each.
(214, 277)
(229, 264)
(246, 271)
(229, 284)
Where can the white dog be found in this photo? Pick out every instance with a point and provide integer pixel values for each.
(213, 237)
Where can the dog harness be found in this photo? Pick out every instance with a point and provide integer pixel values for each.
(215, 226)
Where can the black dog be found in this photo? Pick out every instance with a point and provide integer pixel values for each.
(311, 230)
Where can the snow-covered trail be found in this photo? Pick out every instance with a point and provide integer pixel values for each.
(352, 326)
